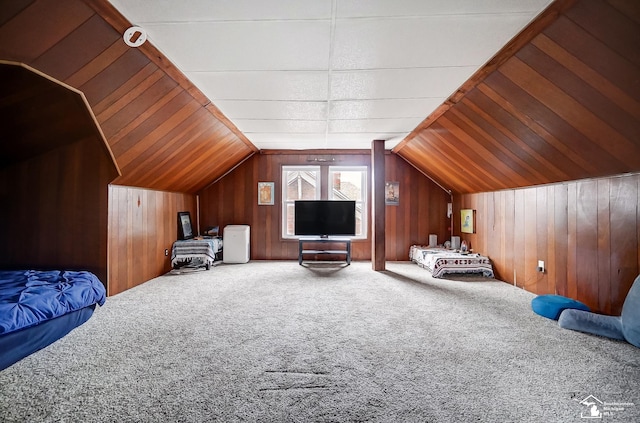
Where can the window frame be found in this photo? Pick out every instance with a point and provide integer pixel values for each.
(324, 173)
(285, 202)
(363, 202)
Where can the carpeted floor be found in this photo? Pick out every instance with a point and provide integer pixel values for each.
(278, 342)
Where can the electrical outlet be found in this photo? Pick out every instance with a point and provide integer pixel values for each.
(541, 266)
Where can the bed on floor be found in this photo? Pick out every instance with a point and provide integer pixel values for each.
(196, 252)
(440, 261)
(39, 307)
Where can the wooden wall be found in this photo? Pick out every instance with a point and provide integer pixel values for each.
(142, 225)
(164, 133)
(587, 232)
(54, 209)
(233, 200)
(563, 106)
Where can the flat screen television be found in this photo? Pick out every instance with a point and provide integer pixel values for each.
(325, 218)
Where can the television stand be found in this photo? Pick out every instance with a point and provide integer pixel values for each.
(318, 250)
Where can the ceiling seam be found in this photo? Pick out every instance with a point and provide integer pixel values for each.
(332, 31)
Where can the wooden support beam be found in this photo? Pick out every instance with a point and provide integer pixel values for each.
(378, 253)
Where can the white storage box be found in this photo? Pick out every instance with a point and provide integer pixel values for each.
(235, 244)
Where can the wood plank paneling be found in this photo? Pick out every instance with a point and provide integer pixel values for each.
(142, 225)
(378, 208)
(587, 242)
(587, 232)
(54, 212)
(563, 105)
(233, 200)
(54, 173)
(138, 96)
(624, 197)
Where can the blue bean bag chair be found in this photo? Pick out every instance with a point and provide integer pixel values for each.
(550, 306)
(625, 327)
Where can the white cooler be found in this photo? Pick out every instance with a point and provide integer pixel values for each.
(235, 244)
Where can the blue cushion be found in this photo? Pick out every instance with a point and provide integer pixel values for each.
(550, 306)
(624, 327)
(631, 314)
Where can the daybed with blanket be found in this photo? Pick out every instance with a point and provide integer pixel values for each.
(39, 307)
(440, 261)
(196, 252)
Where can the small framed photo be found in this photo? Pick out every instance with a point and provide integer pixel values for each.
(467, 224)
(185, 230)
(266, 193)
(392, 193)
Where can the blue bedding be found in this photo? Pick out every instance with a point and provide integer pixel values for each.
(30, 297)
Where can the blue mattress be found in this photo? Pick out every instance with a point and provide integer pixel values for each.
(34, 303)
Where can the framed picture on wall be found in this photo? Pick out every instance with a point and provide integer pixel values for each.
(266, 193)
(467, 224)
(392, 193)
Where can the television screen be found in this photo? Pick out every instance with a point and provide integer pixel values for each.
(325, 218)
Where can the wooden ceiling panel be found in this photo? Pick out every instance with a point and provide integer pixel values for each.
(163, 132)
(560, 103)
(564, 106)
(496, 124)
(142, 98)
(609, 25)
(466, 119)
(594, 54)
(535, 119)
(114, 75)
(77, 49)
(131, 148)
(10, 9)
(39, 27)
(28, 96)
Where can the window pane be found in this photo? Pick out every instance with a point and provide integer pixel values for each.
(350, 183)
(359, 221)
(289, 217)
(346, 185)
(302, 183)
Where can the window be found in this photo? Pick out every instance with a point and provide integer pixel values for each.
(303, 183)
(300, 183)
(350, 183)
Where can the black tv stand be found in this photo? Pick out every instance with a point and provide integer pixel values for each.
(323, 240)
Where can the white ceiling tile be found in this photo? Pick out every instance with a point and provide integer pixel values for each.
(140, 11)
(422, 42)
(390, 143)
(273, 109)
(398, 83)
(287, 141)
(258, 45)
(391, 108)
(359, 141)
(283, 74)
(286, 125)
(373, 125)
(381, 8)
(305, 86)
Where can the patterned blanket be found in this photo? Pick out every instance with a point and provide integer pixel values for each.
(203, 250)
(440, 261)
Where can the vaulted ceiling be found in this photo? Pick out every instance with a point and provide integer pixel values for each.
(317, 74)
(559, 102)
(564, 106)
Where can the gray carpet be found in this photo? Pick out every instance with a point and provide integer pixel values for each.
(278, 342)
